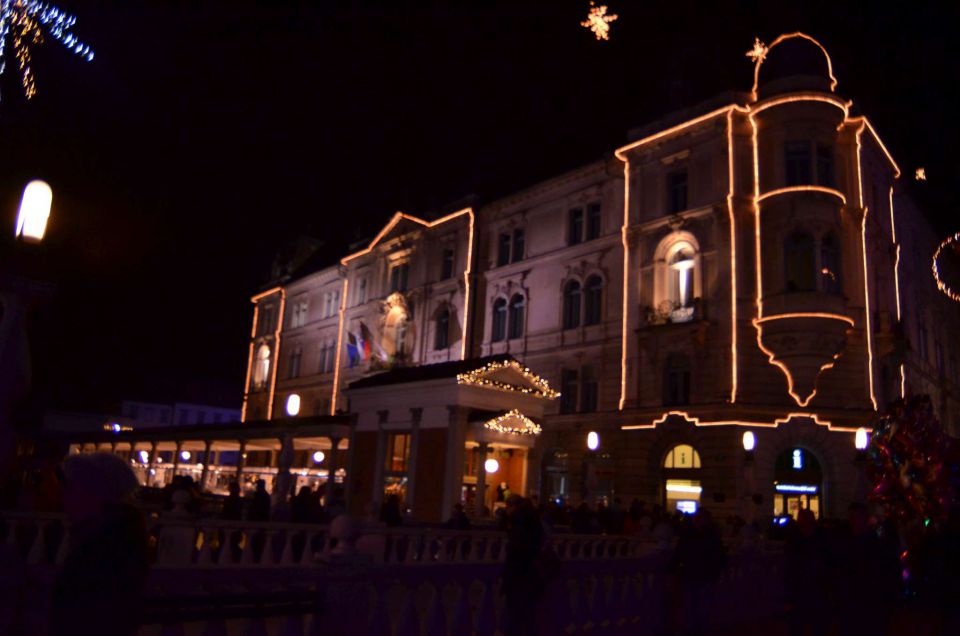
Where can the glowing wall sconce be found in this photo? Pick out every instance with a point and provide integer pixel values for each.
(491, 465)
(293, 405)
(861, 439)
(34, 211)
(593, 440)
(318, 457)
(749, 441)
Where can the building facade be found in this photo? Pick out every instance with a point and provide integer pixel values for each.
(749, 270)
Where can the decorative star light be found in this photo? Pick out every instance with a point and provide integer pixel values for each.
(920, 174)
(758, 52)
(26, 23)
(598, 21)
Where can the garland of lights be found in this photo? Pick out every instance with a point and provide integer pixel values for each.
(540, 387)
(946, 289)
(27, 23)
(598, 21)
(529, 427)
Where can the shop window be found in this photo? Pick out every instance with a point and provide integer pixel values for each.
(682, 456)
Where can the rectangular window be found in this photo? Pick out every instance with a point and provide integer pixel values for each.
(397, 456)
(589, 392)
(447, 267)
(593, 221)
(293, 370)
(677, 191)
(575, 226)
(797, 162)
(503, 250)
(266, 320)
(518, 245)
(825, 165)
(299, 317)
(362, 291)
(398, 277)
(938, 351)
(568, 391)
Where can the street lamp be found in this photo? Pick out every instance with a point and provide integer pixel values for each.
(491, 465)
(293, 405)
(318, 457)
(749, 441)
(861, 439)
(593, 440)
(34, 211)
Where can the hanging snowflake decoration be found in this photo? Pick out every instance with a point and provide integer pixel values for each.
(598, 21)
(920, 174)
(758, 52)
(27, 23)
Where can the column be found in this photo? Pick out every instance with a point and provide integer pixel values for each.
(334, 461)
(207, 445)
(481, 479)
(241, 460)
(151, 466)
(415, 417)
(176, 457)
(281, 488)
(456, 443)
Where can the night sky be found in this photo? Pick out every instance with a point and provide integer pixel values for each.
(206, 135)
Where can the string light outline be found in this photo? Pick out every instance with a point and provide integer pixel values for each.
(276, 353)
(941, 285)
(255, 299)
(529, 426)
(759, 59)
(866, 269)
(696, 421)
(624, 236)
(803, 188)
(540, 386)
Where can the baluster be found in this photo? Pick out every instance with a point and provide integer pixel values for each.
(462, 623)
(255, 627)
(379, 618)
(293, 626)
(247, 557)
(287, 555)
(486, 613)
(436, 620)
(172, 629)
(35, 555)
(215, 627)
(580, 615)
(409, 622)
(63, 547)
(205, 555)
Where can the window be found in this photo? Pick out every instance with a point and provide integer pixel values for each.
(266, 320)
(682, 456)
(676, 380)
(589, 392)
(825, 175)
(299, 316)
(499, 329)
(398, 277)
(938, 352)
(442, 337)
(362, 291)
(398, 453)
(327, 357)
(261, 366)
(797, 162)
(682, 264)
(331, 303)
(594, 298)
(517, 305)
(799, 265)
(677, 191)
(922, 338)
(293, 369)
(447, 266)
(830, 265)
(503, 250)
(518, 245)
(575, 226)
(568, 390)
(571, 305)
(593, 221)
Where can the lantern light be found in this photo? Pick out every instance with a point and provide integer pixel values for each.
(185, 455)
(491, 465)
(749, 441)
(293, 405)
(318, 457)
(593, 440)
(144, 456)
(34, 211)
(862, 439)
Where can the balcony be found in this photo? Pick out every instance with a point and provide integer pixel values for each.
(670, 312)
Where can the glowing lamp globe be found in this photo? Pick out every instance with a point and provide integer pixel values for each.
(34, 211)
(293, 405)
(491, 465)
(185, 455)
(144, 456)
(593, 440)
(318, 457)
(861, 439)
(749, 441)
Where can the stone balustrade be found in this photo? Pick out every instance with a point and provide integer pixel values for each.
(232, 577)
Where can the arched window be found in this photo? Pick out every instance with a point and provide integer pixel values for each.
(676, 380)
(594, 297)
(499, 330)
(682, 456)
(442, 336)
(517, 305)
(830, 264)
(571, 305)
(261, 366)
(799, 263)
(681, 276)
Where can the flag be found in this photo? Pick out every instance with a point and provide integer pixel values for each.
(352, 349)
(369, 342)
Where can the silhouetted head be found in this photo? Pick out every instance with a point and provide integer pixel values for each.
(806, 521)
(234, 489)
(92, 482)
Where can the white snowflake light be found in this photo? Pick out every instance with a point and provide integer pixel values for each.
(26, 23)
(921, 174)
(598, 21)
(758, 52)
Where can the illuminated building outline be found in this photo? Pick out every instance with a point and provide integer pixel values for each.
(696, 421)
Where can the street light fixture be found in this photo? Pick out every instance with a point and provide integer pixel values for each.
(34, 211)
(749, 441)
(293, 405)
(491, 465)
(593, 440)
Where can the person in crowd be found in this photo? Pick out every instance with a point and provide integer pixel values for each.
(233, 504)
(458, 518)
(698, 561)
(337, 503)
(100, 584)
(500, 488)
(301, 506)
(523, 583)
(390, 513)
(581, 521)
(806, 577)
(260, 506)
